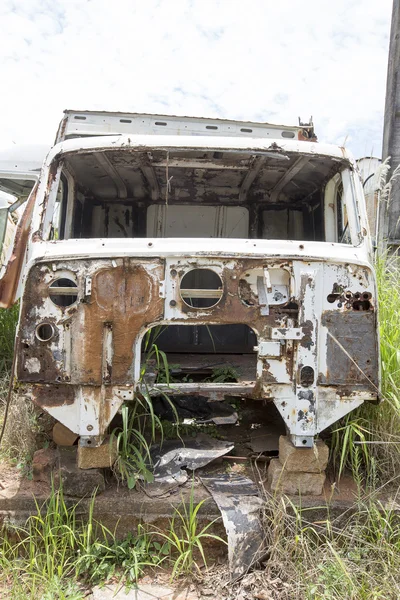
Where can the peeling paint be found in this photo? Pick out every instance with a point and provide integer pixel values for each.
(101, 295)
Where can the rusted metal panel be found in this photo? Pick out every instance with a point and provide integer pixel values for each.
(124, 298)
(88, 303)
(96, 343)
(355, 361)
(13, 271)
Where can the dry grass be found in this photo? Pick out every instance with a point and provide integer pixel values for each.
(22, 428)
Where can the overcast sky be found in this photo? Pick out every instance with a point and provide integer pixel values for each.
(260, 60)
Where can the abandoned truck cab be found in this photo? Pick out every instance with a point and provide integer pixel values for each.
(225, 243)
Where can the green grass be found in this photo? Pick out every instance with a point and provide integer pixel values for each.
(371, 423)
(354, 557)
(8, 324)
(58, 554)
(185, 538)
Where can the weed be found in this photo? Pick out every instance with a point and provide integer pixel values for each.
(225, 374)
(355, 556)
(128, 558)
(375, 429)
(8, 324)
(185, 538)
(133, 451)
(140, 426)
(344, 450)
(56, 548)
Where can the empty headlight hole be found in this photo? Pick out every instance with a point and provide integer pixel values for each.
(201, 288)
(45, 332)
(63, 292)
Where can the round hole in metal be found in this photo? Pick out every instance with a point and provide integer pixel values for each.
(45, 332)
(201, 288)
(62, 292)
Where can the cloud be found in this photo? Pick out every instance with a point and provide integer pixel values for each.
(255, 60)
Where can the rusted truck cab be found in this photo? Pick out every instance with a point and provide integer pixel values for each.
(237, 244)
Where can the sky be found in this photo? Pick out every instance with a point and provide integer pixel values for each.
(256, 60)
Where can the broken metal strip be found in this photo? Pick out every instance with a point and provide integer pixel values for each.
(287, 177)
(199, 163)
(262, 296)
(255, 164)
(211, 389)
(67, 350)
(240, 505)
(151, 177)
(201, 293)
(267, 280)
(63, 291)
(287, 333)
(108, 352)
(119, 183)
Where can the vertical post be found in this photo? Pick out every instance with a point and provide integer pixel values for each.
(389, 213)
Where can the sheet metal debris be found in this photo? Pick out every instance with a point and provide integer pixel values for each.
(237, 498)
(175, 456)
(195, 410)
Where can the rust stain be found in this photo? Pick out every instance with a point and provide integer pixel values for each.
(9, 282)
(356, 332)
(53, 395)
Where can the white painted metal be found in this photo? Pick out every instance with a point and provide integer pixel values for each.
(200, 221)
(91, 123)
(269, 349)
(315, 266)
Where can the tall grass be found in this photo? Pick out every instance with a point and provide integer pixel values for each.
(59, 552)
(8, 324)
(375, 430)
(385, 419)
(354, 557)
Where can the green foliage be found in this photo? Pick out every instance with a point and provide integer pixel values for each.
(225, 374)
(8, 324)
(39, 557)
(127, 559)
(140, 424)
(371, 423)
(355, 556)
(133, 450)
(343, 444)
(55, 549)
(185, 537)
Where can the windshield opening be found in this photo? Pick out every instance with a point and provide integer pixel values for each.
(126, 193)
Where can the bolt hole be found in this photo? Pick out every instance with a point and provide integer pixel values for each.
(304, 442)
